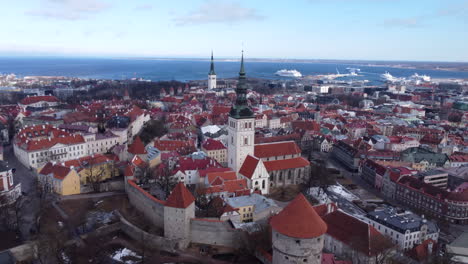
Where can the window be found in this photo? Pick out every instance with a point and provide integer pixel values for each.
(263, 184)
(246, 141)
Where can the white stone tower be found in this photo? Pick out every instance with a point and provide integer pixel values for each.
(241, 125)
(211, 75)
(178, 210)
(298, 234)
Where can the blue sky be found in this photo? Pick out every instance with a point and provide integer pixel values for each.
(427, 30)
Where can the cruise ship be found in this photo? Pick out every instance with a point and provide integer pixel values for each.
(390, 78)
(420, 78)
(289, 73)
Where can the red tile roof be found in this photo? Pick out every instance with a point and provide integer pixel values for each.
(180, 197)
(422, 251)
(276, 149)
(261, 140)
(36, 99)
(173, 145)
(137, 147)
(133, 184)
(58, 171)
(223, 175)
(276, 165)
(248, 167)
(355, 233)
(299, 219)
(212, 144)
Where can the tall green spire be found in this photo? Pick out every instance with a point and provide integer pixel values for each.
(212, 72)
(241, 108)
(242, 71)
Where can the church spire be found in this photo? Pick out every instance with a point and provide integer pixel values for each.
(241, 108)
(242, 70)
(212, 71)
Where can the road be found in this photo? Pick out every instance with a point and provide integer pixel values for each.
(29, 202)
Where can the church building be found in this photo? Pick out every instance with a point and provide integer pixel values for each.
(211, 75)
(262, 165)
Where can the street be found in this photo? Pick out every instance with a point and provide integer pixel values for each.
(29, 201)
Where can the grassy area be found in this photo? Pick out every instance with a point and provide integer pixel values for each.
(284, 194)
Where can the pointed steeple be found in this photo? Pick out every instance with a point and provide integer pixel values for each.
(212, 71)
(241, 108)
(242, 70)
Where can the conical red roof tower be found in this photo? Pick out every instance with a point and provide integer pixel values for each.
(299, 219)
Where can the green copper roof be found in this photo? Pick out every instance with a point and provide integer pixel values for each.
(212, 72)
(241, 109)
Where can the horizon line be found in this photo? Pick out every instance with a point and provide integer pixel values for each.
(272, 59)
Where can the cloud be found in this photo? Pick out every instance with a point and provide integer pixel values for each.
(453, 10)
(219, 12)
(69, 9)
(413, 22)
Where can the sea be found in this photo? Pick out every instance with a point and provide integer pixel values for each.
(191, 69)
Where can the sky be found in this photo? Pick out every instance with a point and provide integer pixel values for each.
(419, 30)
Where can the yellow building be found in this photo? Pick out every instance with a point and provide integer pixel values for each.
(246, 213)
(216, 150)
(94, 168)
(59, 179)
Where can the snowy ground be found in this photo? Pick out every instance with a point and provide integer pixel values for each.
(125, 255)
(341, 191)
(340, 196)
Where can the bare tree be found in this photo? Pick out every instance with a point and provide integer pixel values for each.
(94, 175)
(319, 176)
(163, 179)
(50, 246)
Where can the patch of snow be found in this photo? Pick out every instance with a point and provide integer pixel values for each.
(210, 129)
(250, 227)
(341, 191)
(60, 223)
(319, 195)
(119, 255)
(98, 202)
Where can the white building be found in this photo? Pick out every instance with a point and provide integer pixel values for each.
(35, 146)
(39, 101)
(212, 75)
(9, 192)
(100, 143)
(404, 229)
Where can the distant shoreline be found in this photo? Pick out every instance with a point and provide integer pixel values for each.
(416, 65)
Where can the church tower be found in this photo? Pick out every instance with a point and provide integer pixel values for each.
(241, 125)
(211, 75)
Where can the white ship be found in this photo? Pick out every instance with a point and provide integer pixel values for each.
(420, 78)
(390, 78)
(289, 73)
(353, 71)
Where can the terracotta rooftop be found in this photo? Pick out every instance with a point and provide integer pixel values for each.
(299, 219)
(36, 99)
(276, 165)
(180, 197)
(248, 167)
(137, 147)
(276, 149)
